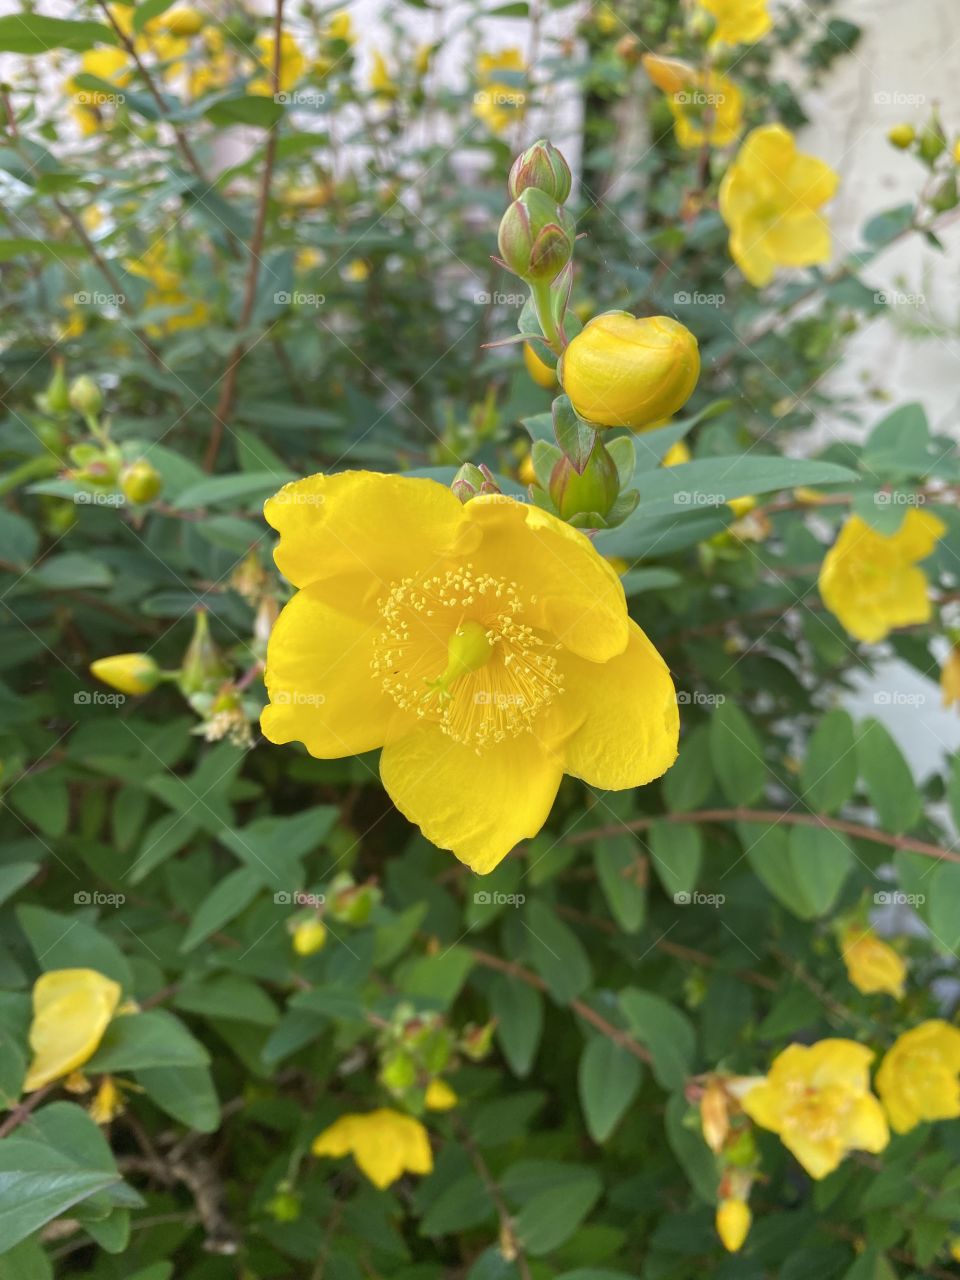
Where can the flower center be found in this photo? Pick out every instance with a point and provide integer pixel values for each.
(455, 650)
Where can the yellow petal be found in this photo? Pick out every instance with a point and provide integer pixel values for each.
(819, 1156)
(629, 734)
(799, 239)
(362, 521)
(574, 592)
(865, 1126)
(71, 1010)
(439, 1096)
(322, 691)
(384, 1143)
(477, 806)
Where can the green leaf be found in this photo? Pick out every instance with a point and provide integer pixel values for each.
(767, 849)
(147, 11)
(556, 953)
(617, 864)
(463, 1204)
(821, 861)
(253, 110)
(829, 772)
(246, 488)
(38, 1184)
(222, 904)
(608, 1079)
(553, 1215)
(229, 996)
(518, 1010)
(887, 777)
(437, 979)
(186, 1093)
(686, 1142)
(67, 942)
(677, 850)
(26, 1261)
(737, 755)
(943, 908)
(14, 875)
(152, 1039)
(665, 1031)
(30, 33)
(688, 782)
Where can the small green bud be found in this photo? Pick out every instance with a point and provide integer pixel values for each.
(140, 482)
(85, 396)
(351, 903)
(536, 237)
(901, 136)
(56, 398)
(596, 489)
(932, 143)
(471, 480)
(541, 166)
(477, 1042)
(203, 664)
(398, 1071)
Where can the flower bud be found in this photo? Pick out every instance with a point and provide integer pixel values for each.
(352, 903)
(542, 374)
(140, 482)
(536, 237)
(471, 480)
(181, 22)
(202, 664)
(541, 166)
(285, 1205)
(56, 398)
(595, 490)
(476, 1042)
(733, 1223)
(950, 677)
(439, 1096)
(309, 936)
(85, 396)
(901, 135)
(624, 372)
(932, 143)
(132, 673)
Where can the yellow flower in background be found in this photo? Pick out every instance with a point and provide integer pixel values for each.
(132, 673)
(439, 1096)
(706, 106)
(769, 199)
(623, 372)
(385, 1144)
(382, 82)
(817, 1099)
(733, 1224)
(340, 27)
(950, 678)
(485, 647)
(107, 1103)
(356, 271)
(71, 1010)
(742, 506)
(111, 65)
(870, 581)
(167, 291)
(180, 21)
(872, 965)
(309, 937)
(738, 21)
(541, 373)
(293, 63)
(525, 472)
(499, 102)
(313, 196)
(918, 1078)
(215, 69)
(677, 454)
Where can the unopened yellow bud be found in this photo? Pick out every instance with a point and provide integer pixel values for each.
(133, 673)
(439, 1096)
(541, 373)
(181, 22)
(525, 472)
(901, 135)
(742, 506)
(624, 372)
(309, 937)
(950, 678)
(733, 1223)
(140, 482)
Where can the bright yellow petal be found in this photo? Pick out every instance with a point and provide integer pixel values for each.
(799, 239)
(629, 734)
(865, 1127)
(322, 691)
(439, 1096)
(918, 534)
(574, 593)
(336, 1140)
(477, 806)
(819, 1156)
(362, 521)
(71, 1010)
(838, 1062)
(764, 1105)
(811, 181)
(749, 250)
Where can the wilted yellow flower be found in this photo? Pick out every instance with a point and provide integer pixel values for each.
(677, 454)
(950, 677)
(498, 102)
(769, 199)
(918, 1077)
(439, 1096)
(107, 1103)
(293, 63)
(309, 937)
(485, 646)
(733, 1223)
(385, 1144)
(738, 21)
(872, 965)
(817, 1099)
(538, 369)
(623, 372)
(71, 1010)
(381, 81)
(870, 580)
(706, 106)
(132, 673)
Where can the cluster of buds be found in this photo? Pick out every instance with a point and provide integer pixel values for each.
(729, 1135)
(929, 144)
(415, 1049)
(344, 902)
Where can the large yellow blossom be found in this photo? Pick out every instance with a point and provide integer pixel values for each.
(706, 106)
(870, 580)
(917, 1079)
(769, 198)
(738, 21)
(817, 1099)
(71, 1010)
(873, 966)
(293, 63)
(110, 65)
(498, 102)
(384, 1143)
(485, 647)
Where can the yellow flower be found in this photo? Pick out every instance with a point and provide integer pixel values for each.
(108, 1102)
(677, 454)
(71, 1010)
(872, 965)
(132, 673)
(293, 63)
(340, 28)
(525, 472)
(623, 372)
(381, 81)
(356, 271)
(111, 65)
(706, 106)
(167, 291)
(769, 199)
(486, 647)
(498, 102)
(439, 1096)
(313, 196)
(956, 152)
(738, 21)
(538, 369)
(870, 580)
(385, 1144)
(917, 1079)
(309, 937)
(215, 69)
(181, 21)
(950, 678)
(421, 59)
(733, 1223)
(901, 136)
(817, 1099)
(742, 506)
(955, 1248)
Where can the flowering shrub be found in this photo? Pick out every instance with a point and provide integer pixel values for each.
(437, 840)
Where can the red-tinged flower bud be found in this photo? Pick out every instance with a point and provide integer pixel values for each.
(536, 237)
(541, 166)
